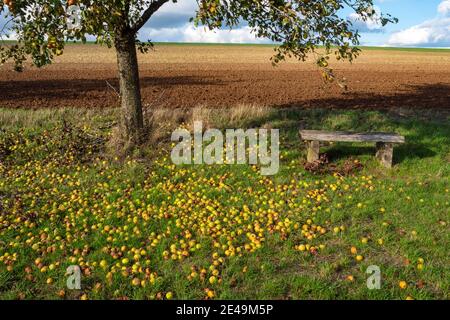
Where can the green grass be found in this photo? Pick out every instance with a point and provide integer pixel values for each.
(402, 49)
(407, 49)
(211, 44)
(64, 201)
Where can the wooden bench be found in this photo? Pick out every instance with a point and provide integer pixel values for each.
(384, 142)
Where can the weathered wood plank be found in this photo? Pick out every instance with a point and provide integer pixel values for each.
(343, 136)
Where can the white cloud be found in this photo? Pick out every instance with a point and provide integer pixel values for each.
(188, 33)
(362, 23)
(240, 35)
(431, 33)
(172, 15)
(181, 6)
(444, 8)
(171, 24)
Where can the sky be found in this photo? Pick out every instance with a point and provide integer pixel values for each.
(422, 23)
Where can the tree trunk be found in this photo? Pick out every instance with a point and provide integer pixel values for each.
(130, 90)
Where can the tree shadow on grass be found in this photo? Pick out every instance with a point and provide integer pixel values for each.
(344, 151)
(409, 151)
(425, 136)
(401, 152)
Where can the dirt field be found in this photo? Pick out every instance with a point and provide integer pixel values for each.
(191, 75)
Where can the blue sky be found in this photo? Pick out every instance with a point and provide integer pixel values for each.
(422, 23)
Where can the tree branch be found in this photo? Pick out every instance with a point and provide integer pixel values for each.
(154, 6)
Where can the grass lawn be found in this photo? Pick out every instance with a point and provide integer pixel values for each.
(144, 228)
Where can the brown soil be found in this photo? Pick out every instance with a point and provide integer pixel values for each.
(188, 76)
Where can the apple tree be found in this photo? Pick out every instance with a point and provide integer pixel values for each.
(298, 27)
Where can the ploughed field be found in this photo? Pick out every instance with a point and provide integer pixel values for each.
(229, 75)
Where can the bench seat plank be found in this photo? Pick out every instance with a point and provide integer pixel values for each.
(343, 136)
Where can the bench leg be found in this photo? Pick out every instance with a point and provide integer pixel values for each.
(313, 151)
(385, 152)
